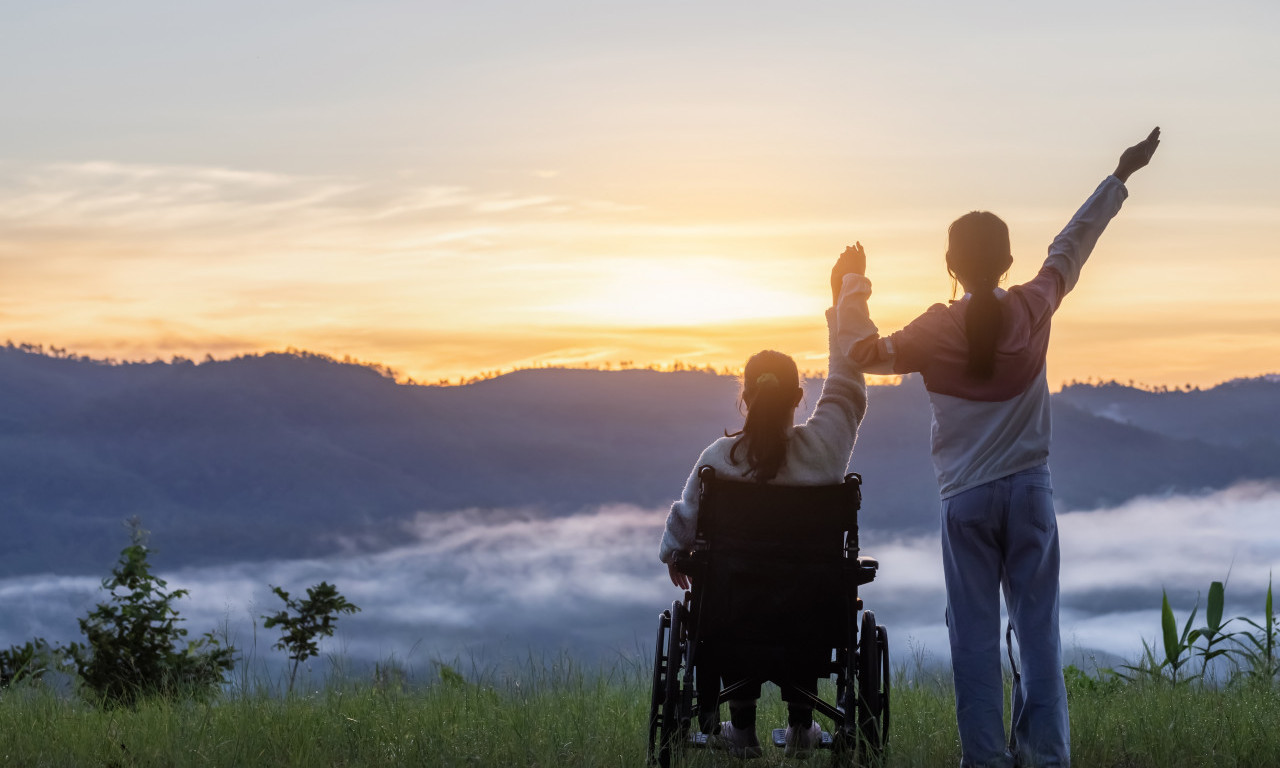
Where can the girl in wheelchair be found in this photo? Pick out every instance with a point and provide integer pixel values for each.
(771, 448)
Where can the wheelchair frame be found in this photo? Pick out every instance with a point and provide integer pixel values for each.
(860, 649)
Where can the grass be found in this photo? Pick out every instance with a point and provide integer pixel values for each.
(557, 714)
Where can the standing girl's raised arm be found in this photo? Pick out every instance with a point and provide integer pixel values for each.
(1071, 248)
(857, 335)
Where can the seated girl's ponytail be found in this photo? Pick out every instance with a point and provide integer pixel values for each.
(771, 391)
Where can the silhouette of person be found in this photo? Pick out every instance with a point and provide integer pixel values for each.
(772, 448)
(982, 359)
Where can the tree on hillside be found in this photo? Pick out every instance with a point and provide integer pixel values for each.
(303, 622)
(134, 637)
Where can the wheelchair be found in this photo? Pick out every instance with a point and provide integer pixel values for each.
(774, 574)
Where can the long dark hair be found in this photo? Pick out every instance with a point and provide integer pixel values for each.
(978, 254)
(770, 389)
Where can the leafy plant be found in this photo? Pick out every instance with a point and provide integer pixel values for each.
(449, 675)
(303, 622)
(1259, 650)
(1214, 632)
(1149, 667)
(1107, 682)
(35, 658)
(134, 637)
(1255, 655)
(1177, 648)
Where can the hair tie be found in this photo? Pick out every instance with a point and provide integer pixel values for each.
(766, 379)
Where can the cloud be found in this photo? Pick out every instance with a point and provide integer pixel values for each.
(1182, 541)
(105, 258)
(500, 584)
(136, 256)
(136, 200)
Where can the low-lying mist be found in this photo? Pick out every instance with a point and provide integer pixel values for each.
(485, 586)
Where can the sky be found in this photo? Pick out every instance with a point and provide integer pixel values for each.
(488, 587)
(456, 188)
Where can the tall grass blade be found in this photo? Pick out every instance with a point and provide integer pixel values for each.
(1213, 611)
(1266, 643)
(1169, 625)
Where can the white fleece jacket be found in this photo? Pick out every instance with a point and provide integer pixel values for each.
(817, 451)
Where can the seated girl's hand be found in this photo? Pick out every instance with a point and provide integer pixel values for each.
(677, 578)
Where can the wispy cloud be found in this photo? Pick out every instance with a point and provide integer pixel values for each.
(141, 260)
(116, 259)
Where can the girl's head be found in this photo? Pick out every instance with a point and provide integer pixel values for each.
(771, 392)
(978, 255)
(978, 252)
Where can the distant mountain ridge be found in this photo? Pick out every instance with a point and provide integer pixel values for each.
(291, 455)
(1232, 413)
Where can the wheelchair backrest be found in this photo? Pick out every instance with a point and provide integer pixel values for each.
(772, 562)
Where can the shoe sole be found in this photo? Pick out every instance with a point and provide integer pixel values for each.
(780, 740)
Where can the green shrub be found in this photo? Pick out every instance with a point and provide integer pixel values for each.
(134, 638)
(35, 658)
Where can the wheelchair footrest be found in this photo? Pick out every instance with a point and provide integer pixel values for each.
(780, 739)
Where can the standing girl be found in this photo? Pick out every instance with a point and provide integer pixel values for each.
(982, 359)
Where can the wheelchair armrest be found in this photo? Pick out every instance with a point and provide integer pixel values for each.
(864, 572)
(690, 564)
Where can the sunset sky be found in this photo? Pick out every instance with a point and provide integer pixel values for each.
(448, 188)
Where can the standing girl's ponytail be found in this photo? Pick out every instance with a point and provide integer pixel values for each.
(977, 255)
(771, 391)
(982, 329)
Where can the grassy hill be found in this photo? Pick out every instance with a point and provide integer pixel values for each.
(556, 714)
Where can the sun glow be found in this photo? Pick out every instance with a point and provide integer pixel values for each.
(669, 293)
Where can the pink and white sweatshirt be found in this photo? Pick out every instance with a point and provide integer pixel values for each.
(817, 451)
(984, 429)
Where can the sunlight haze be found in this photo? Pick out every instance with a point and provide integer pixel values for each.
(449, 189)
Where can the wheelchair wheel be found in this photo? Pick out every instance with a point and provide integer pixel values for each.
(672, 730)
(845, 736)
(882, 637)
(659, 690)
(870, 673)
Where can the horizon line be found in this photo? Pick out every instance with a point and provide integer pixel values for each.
(675, 366)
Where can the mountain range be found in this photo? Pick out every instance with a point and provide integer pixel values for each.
(299, 455)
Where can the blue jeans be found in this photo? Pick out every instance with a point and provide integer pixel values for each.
(1004, 534)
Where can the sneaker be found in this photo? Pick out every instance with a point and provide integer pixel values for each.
(801, 741)
(737, 742)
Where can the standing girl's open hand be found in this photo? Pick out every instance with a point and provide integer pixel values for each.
(852, 262)
(1137, 156)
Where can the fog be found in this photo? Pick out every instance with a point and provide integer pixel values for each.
(487, 587)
